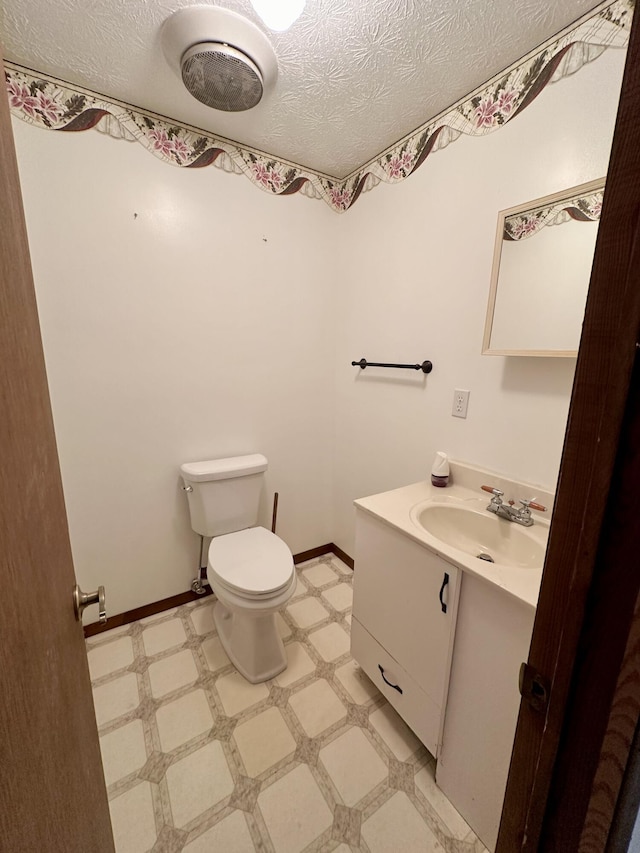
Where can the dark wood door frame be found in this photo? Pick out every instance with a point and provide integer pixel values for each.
(568, 761)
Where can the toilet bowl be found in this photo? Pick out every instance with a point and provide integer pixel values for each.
(253, 576)
(250, 569)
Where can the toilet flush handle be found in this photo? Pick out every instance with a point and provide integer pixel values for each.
(187, 488)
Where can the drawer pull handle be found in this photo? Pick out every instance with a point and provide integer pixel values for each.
(445, 581)
(386, 680)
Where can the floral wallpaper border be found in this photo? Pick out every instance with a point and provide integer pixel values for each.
(54, 105)
(581, 208)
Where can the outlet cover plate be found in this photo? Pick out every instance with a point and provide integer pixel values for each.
(460, 403)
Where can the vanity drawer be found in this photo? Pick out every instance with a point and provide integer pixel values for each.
(407, 598)
(416, 708)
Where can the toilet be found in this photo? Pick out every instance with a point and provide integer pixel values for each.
(250, 569)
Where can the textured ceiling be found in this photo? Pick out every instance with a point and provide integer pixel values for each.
(354, 75)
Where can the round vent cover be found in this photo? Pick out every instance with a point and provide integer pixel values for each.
(222, 77)
(224, 60)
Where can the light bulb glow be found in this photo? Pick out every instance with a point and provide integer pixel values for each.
(279, 15)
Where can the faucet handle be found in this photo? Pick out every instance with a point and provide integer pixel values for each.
(496, 500)
(496, 492)
(533, 505)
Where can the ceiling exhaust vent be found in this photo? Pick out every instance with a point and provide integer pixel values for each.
(224, 60)
(222, 77)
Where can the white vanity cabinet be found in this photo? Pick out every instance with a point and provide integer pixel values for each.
(405, 601)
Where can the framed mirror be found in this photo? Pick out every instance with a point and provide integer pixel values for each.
(541, 269)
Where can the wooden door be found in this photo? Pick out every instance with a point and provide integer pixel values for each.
(568, 759)
(52, 791)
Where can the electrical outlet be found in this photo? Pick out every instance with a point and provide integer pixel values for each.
(460, 403)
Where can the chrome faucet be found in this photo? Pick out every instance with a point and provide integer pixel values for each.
(521, 515)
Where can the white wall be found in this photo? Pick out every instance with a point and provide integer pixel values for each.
(201, 327)
(181, 334)
(417, 287)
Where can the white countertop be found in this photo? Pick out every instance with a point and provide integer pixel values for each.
(395, 508)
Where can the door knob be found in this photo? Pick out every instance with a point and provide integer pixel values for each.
(84, 599)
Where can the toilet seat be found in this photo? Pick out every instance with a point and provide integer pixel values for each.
(253, 563)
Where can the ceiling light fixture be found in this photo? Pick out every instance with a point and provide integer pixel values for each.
(279, 15)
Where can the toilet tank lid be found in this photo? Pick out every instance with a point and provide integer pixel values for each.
(223, 469)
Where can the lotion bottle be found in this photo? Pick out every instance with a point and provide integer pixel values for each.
(440, 470)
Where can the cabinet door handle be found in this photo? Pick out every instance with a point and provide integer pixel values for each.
(445, 582)
(386, 680)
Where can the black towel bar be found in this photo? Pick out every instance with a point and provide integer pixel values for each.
(425, 367)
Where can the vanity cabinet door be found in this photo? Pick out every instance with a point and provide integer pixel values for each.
(406, 597)
(492, 639)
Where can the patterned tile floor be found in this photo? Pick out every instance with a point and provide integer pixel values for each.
(197, 759)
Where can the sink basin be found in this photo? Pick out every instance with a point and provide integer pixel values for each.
(482, 534)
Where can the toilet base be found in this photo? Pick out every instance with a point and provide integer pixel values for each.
(251, 641)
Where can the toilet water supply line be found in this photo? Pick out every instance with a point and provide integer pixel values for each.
(198, 585)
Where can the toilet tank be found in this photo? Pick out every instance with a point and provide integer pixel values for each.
(224, 494)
